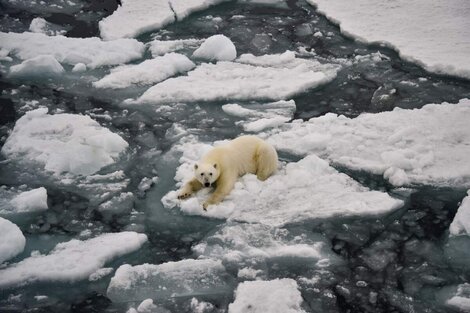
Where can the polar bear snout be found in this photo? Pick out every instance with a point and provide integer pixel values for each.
(207, 184)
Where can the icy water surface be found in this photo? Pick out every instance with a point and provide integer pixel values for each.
(399, 261)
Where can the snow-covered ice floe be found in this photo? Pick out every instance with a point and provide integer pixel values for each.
(63, 142)
(272, 77)
(216, 48)
(42, 66)
(171, 279)
(162, 47)
(12, 203)
(93, 52)
(461, 300)
(140, 16)
(148, 72)
(461, 223)
(12, 240)
(245, 244)
(303, 190)
(258, 117)
(430, 145)
(433, 34)
(273, 296)
(71, 261)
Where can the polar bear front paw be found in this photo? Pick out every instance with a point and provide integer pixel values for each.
(184, 194)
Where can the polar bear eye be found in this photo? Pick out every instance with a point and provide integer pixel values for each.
(202, 174)
(210, 174)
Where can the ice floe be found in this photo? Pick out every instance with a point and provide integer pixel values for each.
(422, 146)
(433, 34)
(461, 223)
(30, 201)
(274, 296)
(461, 300)
(308, 189)
(42, 66)
(258, 117)
(140, 16)
(93, 52)
(216, 48)
(40, 25)
(280, 77)
(254, 244)
(12, 241)
(171, 279)
(71, 261)
(148, 72)
(162, 47)
(63, 142)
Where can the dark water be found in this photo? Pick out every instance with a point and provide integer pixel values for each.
(394, 263)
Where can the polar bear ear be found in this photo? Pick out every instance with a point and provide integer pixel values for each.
(195, 166)
(215, 165)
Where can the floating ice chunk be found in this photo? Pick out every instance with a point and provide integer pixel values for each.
(201, 306)
(262, 116)
(162, 47)
(235, 81)
(171, 279)
(461, 300)
(440, 44)
(461, 223)
(79, 67)
(422, 146)
(274, 296)
(73, 260)
(40, 66)
(63, 142)
(146, 306)
(251, 243)
(148, 72)
(216, 48)
(93, 52)
(310, 188)
(142, 16)
(40, 25)
(12, 241)
(120, 204)
(30, 201)
(100, 273)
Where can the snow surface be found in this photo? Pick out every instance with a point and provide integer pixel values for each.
(93, 52)
(30, 201)
(71, 261)
(148, 72)
(278, 78)
(310, 188)
(42, 66)
(461, 223)
(430, 145)
(258, 117)
(171, 279)
(274, 296)
(12, 241)
(162, 47)
(433, 34)
(216, 48)
(63, 142)
(140, 16)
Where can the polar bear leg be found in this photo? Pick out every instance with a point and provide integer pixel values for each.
(225, 184)
(266, 161)
(189, 188)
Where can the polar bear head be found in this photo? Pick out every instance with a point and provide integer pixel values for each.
(206, 173)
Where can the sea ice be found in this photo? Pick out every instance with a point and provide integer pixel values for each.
(41, 66)
(216, 48)
(422, 146)
(432, 34)
(63, 142)
(282, 79)
(93, 52)
(310, 189)
(258, 117)
(461, 223)
(30, 201)
(171, 279)
(40, 25)
(162, 47)
(12, 241)
(148, 72)
(71, 261)
(461, 300)
(274, 296)
(142, 16)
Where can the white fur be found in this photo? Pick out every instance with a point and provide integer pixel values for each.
(224, 164)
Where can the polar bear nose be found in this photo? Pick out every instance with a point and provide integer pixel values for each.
(207, 184)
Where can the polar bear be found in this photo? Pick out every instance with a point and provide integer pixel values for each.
(224, 164)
